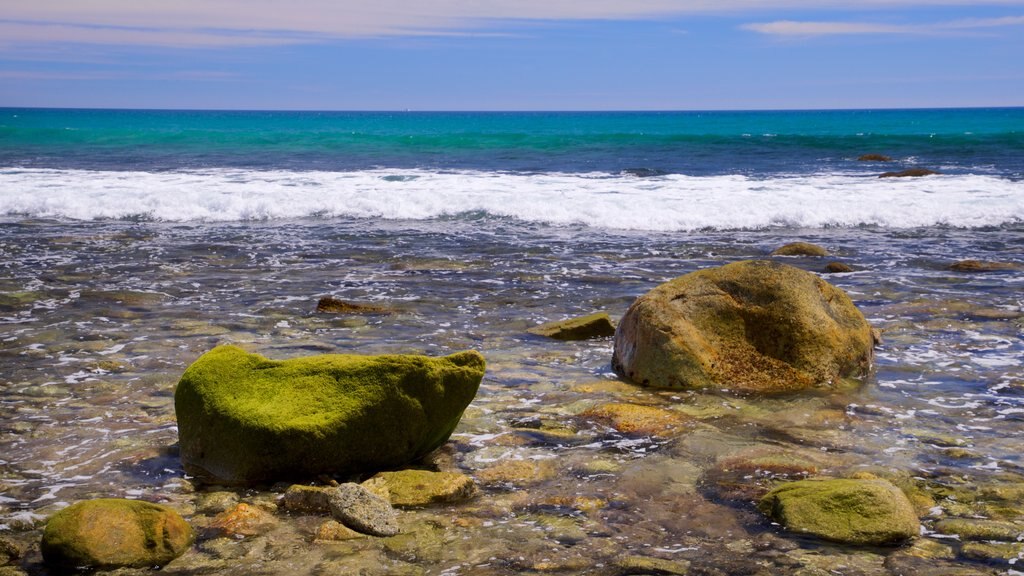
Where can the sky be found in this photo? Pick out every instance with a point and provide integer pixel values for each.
(511, 54)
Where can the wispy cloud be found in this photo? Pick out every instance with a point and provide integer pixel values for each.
(206, 23)
(807, 29)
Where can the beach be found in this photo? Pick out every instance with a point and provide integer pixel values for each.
(124, 262)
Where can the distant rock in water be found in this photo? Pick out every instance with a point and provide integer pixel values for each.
(861, 512)
(243, 418)
(983, 266)
(800, 249)
(331, 305)
(750, 326)
(909, 173)
(874, 158)
(114, 533)
(837, 268)
(584, 328)
(644, 172)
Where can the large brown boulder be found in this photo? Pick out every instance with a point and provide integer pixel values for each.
(751, 326)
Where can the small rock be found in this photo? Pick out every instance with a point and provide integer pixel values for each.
(114, 533)
(9, 551)
(331, 305)
(973, 529)
(638, 419)
(910, 173)
(418, 488)
(628, 565)
(837, 268)
(800, 249)
(242, 520)
(518, 472)
(874, 158)
(302, 499)
(216, 502)
(597, 325)
(982, 266)
(992, 551)
(863, 512)
(334, 531)
(361, 510)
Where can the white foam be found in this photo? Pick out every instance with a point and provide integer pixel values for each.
(673, 202)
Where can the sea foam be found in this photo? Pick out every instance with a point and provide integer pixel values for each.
(625, 202)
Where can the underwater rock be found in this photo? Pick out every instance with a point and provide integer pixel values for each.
(909, 173)
(638, 419)
(334, 531)
(983, 266)
(874, 158)
(242, 520)
(518, 472)
(9, 551)
(363, 511)
(596, 325)
(331, 305)
(307, 499)
(244, 419)
(976, 529)
(216, 502)
(800, 249)
(648, 566)
(114, 533)
(837, 268)
(418, 488)
(992, 551)
(751, 326)
(863, 512)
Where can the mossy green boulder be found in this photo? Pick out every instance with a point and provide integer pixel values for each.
(864, 512)
(114, 533)
(245, 419)
(754, 326)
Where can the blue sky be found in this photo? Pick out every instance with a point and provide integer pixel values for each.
(511, 54)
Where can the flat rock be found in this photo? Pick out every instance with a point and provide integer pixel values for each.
(750, 327)
(977, 529)
(244, 419)
(596, 325)
(800, 249)
(909, 173)
(363, 511)
(418, 488)
(648, 566)
(983, 266)
(242, 520)
(874, 158)
(638, 419)
(518, 472)
(114, 533)
(331, 305)
(862, 512)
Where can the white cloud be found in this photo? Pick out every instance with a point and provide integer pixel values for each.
(805, 29)
(178, 23)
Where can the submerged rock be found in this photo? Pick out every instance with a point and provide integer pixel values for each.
(638, 419)
(837, 268)
(800, 249)
(244, 419)
(331, 305)
(976, 529)
(909, 173)
(114, 533)
(242, 520)
(363, 511)
(864, 512)
(874, 158)
(596, 325)
(307, 499)
(750, 326)
(647, 566)
(418, 488)
(983, 266)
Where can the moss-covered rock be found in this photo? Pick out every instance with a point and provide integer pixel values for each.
(244, 419)
(114, 533)
(242, 520)
(584, 328)
(837, 268)
(977, 529)
(638, 419)
(418, 488)
(800, 249)
(648, 566)
(751, 326)
(331, 305)
(865, 512)
(983, 266)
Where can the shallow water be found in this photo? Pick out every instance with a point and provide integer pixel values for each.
(99, 319)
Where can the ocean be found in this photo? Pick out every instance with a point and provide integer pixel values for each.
(133, 241)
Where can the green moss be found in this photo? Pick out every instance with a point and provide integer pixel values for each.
(596, 325)
(111, 532)
(243, 418)
(866, 512)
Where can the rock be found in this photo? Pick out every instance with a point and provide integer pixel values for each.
(863, 512)
(628, 565)
(418, 488)
(800, 249)
(9, 551)
(973, 529)
(638, 419)
(911, 173)
(750, 474)
(216, 502)
(363, 511)
(750, 326)
(983, 266)
(992, 551)
(593, 326)
(307, 499)
(874, 158)
(242, 520)
(837, 268)
(334, 531)
(113, 533)
(518, 472)
(331, 305)
(245, 419)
